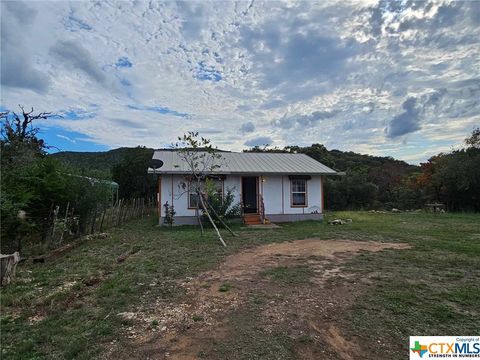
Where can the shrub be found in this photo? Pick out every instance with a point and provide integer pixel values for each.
(223, 205)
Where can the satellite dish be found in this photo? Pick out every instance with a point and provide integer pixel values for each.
(156, 164)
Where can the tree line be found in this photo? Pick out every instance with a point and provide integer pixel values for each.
(373, 182)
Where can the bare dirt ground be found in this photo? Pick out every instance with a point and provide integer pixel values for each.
(308, 305)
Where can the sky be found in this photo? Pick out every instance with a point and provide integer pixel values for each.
(398, 79)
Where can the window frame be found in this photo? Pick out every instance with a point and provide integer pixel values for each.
(189, 206)
(299, 192)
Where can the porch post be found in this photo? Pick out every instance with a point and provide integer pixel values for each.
(159, 199)
(321, 193)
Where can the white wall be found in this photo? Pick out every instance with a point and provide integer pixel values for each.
(272, 195)
(270, 188)
(179, 197)
(233, 183)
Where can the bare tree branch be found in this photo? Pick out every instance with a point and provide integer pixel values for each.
(20, 128)
(201, 159)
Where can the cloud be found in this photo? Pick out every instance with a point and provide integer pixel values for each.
(406, 122)
(158, 109)
(17, 66)
(209, 131)
(336, 73)
(247, 127)
(259, 141)
(78, 114)
(297, 57)
(73, 141)
(74, 55)
(127, 123)
(303, 121)
(194, 18)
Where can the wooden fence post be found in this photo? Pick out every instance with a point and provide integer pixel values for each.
(92, 230)
(65, 222)
(119, 210)
(103, 218)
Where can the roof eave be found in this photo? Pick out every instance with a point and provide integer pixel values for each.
(157, 172)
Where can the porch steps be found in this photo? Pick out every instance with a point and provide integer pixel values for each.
(251, 219)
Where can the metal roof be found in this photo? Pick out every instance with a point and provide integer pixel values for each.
(248, 163)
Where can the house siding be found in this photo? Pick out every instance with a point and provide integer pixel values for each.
(277, 202)
(272, 195)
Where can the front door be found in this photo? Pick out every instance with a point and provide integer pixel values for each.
(249, 194)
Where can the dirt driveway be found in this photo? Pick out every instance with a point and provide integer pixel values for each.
(292, 290)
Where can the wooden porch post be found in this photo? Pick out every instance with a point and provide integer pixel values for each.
(159, 198)
(321, 192)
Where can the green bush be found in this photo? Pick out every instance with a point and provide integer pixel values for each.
(223, 204)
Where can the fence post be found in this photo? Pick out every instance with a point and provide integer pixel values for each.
(65, 222)
(92, 230)
(55, 214)
(119, 211)
(103, 218)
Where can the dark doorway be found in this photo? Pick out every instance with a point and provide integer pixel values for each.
(249, 194)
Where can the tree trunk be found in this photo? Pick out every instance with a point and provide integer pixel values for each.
(8, 264)
(197, 213)
(218, 217)
(213, 223)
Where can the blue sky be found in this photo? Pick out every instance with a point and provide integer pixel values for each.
(397, 79)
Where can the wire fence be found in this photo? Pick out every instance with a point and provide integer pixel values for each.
(101, 217)
(63, 225)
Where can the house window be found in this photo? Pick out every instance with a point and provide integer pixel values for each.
(193, 200)
(299, 192)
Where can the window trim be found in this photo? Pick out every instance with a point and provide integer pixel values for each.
(298, 192)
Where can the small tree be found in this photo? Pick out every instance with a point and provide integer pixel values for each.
(19, 130)
(169, 213)
(200, 159)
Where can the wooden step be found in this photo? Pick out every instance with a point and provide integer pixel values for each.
(251, 219)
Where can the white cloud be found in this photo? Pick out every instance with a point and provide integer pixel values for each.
(293, 73)
(73, 141)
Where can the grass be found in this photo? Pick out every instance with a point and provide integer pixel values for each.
(289, 275)
(225, 287)
(67, 309)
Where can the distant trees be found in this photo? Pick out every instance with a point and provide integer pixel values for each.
(454, 178)
(352, 191)
(369, 181)
(383, 182)
(131, 174)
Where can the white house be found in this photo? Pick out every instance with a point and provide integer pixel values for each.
(275, 186)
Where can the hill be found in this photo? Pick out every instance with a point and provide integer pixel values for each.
(336, 159)
(100, 162)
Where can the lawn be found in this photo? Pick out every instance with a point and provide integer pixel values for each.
(69, 308)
